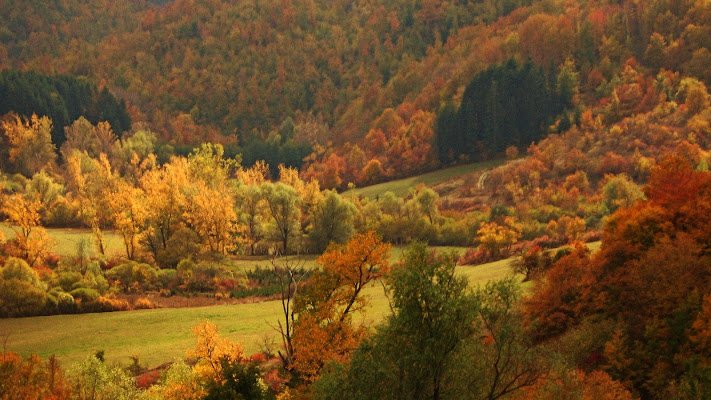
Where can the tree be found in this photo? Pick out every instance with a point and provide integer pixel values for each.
(94, 380)
(283, 206)
(211, 214)
(325, 330)
(496, 239)
(412, 355)
(332, 221)
(31, 148)
(93, 140)
(251, 211)
(129, 215)
(31, 242)
(165, 202)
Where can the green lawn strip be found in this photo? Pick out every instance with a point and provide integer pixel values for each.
(402, 186)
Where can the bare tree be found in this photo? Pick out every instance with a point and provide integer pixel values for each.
(289, 273)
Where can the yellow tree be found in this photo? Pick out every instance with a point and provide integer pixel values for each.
(250, 203)
(164, 201)
(85, 137)
(211, 214)
(129, 215)
(211, 350)
(309, 193)
(324, 330)
(496, 239)
(31, 148)
(31, 241)
(92, 182)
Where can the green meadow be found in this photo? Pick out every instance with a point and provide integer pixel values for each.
(161, 335)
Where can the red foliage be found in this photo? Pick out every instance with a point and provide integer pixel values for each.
(148, 379)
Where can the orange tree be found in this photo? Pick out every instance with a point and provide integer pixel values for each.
(324, 330)
(647, 284)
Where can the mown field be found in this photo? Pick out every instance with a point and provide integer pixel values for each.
(401, 187)
(161, 335)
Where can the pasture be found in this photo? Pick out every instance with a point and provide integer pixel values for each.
(401, 187)
(161, 335)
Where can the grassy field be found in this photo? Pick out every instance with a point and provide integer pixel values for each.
(66, 240)
(402, 186)
(161, 335)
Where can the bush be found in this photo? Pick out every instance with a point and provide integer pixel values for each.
(68, 280)
(19, 298)
(66, 303)
(85, 294)
(183, 244)
(143, 304)
(113, 304)
(20, 270)
(133, 275)
(167, 278)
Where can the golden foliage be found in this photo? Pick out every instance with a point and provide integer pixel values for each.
(211, 349)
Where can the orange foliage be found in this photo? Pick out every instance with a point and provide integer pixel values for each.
(30, 378)
(325, 329)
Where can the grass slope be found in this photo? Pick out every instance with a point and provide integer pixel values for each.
(157, 336)
(401, 187)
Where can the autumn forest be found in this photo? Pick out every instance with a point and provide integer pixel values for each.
(361, 166)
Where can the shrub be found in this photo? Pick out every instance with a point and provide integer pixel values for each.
(76, 281)
(167, 278)
(112, 304)
(134, 275)
(184, 243)
(20, 270)
(66, 303)
(20, 298)
(85, 294)
(143, 304)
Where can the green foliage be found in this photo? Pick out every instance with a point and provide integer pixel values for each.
(16, 268)
(85, 294)
(283, 206)
(20, 298)
(332, 221)
(497, 111)
(94, 379)
(133, 275)
(412, 355)
(239, 382)
(442, 340)
(620, 191)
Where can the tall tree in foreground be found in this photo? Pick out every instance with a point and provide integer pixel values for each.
(325, 330)
(442, 342)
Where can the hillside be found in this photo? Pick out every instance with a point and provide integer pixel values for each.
(183, 153)
(227, 71)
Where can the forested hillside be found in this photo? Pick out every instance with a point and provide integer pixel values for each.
(202, 136)
(237, 72)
